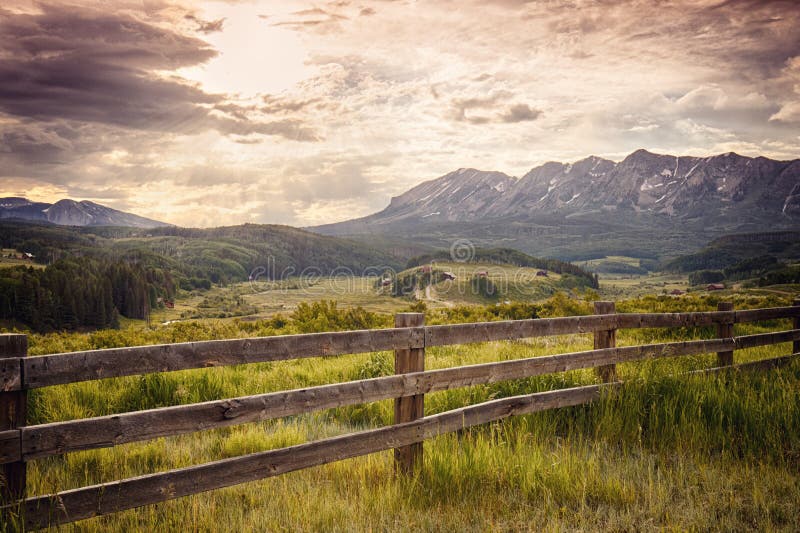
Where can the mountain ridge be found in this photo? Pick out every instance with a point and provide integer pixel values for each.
(643, 182)
(67, 212)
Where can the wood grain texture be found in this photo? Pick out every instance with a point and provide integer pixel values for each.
(762, 364)
(796, 325)
(62, 437)
(606, 338)
(46, 370)
(13, 415)
(409, 408)
(724, 331)
(58, 369)
(105, 498)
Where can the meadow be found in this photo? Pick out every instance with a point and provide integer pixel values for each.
(667, 452)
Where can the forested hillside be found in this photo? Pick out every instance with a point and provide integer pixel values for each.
(217, 255)
(81, 292)
(769, 257)
(95, 275)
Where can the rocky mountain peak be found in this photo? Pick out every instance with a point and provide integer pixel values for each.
(660, 184)
(67, 212)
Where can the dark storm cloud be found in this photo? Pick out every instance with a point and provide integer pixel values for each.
(90, 66)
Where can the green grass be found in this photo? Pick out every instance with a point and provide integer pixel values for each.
(674, 453)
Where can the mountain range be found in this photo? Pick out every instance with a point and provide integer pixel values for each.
(643, 182)
(647, 205)
(72, 213)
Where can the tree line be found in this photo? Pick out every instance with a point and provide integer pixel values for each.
(81, 292)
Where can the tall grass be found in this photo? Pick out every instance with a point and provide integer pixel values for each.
(695, 452)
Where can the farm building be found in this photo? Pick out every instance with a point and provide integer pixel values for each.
(715, 286)
(677, 292)
(448, 275)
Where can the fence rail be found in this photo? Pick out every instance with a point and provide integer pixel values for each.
(20, 443)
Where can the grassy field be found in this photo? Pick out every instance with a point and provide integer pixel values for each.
(615, 286)
(265, 299)
(675, 453)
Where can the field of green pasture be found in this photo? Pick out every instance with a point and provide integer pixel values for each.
(264, 299)
(674, 453)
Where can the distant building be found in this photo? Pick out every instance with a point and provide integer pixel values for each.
(386, 282)
(449, 275)
(715, 287)
(542, 274)
(28, 255)
(169, 304)
(677, 292)
(482, 273)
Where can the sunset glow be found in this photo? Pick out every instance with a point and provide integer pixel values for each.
(304, 113)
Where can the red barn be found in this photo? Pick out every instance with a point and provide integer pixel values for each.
(715, 287)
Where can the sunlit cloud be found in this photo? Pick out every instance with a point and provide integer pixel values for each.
(304, 113)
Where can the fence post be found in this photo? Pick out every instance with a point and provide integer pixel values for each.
(408, 408)
(13, 413)
(796, 325)
(725, 331)
(606, 339)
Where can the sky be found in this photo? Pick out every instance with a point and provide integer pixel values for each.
(303, 113)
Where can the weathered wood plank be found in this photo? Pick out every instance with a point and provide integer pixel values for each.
(62, 437)
(724, 331)
(57, 369)
(86, 502)
(409, 408)
(10, 446)
(762, 364)
(13, 415)
(796, 325)
(10, 375)
(701, 319)
(605, 339)
(46, 370)
(515, 329)
(769, 313)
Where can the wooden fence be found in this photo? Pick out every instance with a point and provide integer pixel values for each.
(20, 443)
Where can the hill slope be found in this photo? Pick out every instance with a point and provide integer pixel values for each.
(233, 253)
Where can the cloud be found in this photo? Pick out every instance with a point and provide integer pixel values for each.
(520, 113)
(210, 26)
(491, 109)
(789, 112)
(89, 66)
(341, 105)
